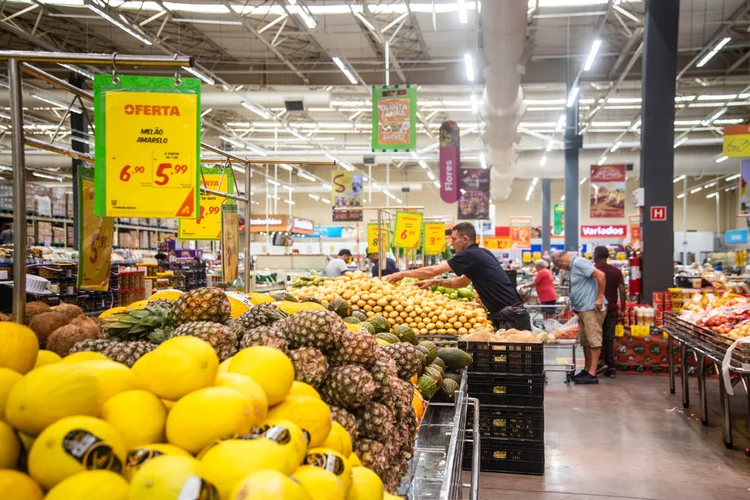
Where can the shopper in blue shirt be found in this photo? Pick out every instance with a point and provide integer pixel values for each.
(390, 265)
(587, 284)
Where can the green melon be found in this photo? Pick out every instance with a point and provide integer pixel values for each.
(434, 374)
(432, 348)
(352, 320)
(380, 323)
(427, 386)
(282, 295)
(425, 352)
(367, 326)
(406, 334)
(448, 387)
(456, 377)
(440, 363)
(359, 315)
(310, 299)
(455, 358)
(340, 307)
(388, 337)
(437, 367)
(422, 360)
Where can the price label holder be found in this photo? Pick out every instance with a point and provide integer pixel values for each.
(434, 238)
(94, 237)
(208, 224)
(373, 241)
(230, 238)
(147, 143)
(407, 229)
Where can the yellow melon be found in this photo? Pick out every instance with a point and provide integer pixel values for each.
(91, 485)
(18, 347)
(138, 415)
(45, 357)
(17, 486)
(249, 388)
(269, 367)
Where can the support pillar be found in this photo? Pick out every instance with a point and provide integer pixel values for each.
(657, 137)
(546, 208)
(572, 145)
(79, 128)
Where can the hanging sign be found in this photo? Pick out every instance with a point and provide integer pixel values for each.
(434, 238)
(346, 192)
(607, 191)
(407, 229)
(208, 224)
(474, 203)
(496, 243)
(450, 160)
(520, 232)
(94, 237)
(147, 147)
(635, 229)
(736, 141)
(373, 242)
(604, 231)
(394, 118)
(558, 219)
(230, 238)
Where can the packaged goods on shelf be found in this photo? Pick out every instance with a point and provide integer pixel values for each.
(31, 233)
(57, 196)
(6, 197)
(69, 205)
(58, 236)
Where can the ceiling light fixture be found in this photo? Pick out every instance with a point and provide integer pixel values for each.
(345, 70)
(680, 142)
(721, 159)
(205, 78)
(483, 160)
(696, 190)
(256, 109)
(474, 104)
(231, 141)
(127, 29)
(469, 62)
(583, 181)
(602, 160)
(732, 177)
(437, 184)
(572, 96)
(680, 196)
(712, 195)
(286, 167)
(616, 146)
(560, 123)
(713, 52)
(549, 145)
(78, 70)
(207, 112)
(462, 17)
(714, 116)
(678, 179)
(562, 198)
(635, 126)
(430, 175)
(49, 100)
(45, 176)
(304, 13)
(543, 161)
(592, 54)
(314, 196)
(305, 175)
(423, 164)
(327, 186)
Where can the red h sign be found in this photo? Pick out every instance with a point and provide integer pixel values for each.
(658, 214)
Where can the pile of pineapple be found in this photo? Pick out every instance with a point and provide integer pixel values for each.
(400, 303)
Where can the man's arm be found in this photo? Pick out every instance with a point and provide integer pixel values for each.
(601, 281)
(455, 282)
(623, 296)
(421, 273)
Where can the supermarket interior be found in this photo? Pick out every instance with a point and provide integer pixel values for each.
(380, 249)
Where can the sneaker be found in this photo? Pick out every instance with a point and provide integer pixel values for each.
(610, 373)
(579, 375)
(586, 378)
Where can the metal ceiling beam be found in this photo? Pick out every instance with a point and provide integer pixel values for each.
(417, 30)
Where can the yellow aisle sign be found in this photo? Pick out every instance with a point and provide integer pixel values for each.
(94, 238)
(230, 240)
(373, 242)
(736, 140)
(208, 224)
(407, 229)
(147, 147)
(434, 238)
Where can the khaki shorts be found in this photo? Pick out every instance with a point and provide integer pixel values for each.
(590, 328)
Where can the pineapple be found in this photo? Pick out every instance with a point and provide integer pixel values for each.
(384, 371)
(269, 336)
(152, 323)
(376, 422)
(320, 329)
(348, 386)
(260, 315)
(221, 338)
(126, 353)
(310, 365)
(347, 421)
(402, 393)
(373, 455)
(405, 356)
(357, 347)
(201, 304)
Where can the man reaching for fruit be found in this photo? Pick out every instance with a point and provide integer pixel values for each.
(476, 265)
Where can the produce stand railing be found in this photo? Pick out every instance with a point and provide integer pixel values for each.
(435, 467)
(539, 316)
(706, 344)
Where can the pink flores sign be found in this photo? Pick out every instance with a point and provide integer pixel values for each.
(450, 161)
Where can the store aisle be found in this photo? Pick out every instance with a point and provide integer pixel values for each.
(628, 438)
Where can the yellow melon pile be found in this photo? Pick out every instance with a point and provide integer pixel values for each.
(175, 425)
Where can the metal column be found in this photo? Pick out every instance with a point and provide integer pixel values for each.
(19, 192)
(657, 137)
(248, 202)
(572, 145)
(79, 127)
(546, 207)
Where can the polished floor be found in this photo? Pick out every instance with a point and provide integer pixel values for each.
(629, 438)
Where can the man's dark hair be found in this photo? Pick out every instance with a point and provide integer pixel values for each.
(601, 253)
(345, 252)
(466, 229)
(160, 256)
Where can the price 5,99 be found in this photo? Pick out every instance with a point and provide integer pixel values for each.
(163, 172)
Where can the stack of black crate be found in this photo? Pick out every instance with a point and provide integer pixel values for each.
(508, 381)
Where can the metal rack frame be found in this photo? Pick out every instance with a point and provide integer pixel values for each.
(536, 314)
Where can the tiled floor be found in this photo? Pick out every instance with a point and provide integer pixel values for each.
(629, 438)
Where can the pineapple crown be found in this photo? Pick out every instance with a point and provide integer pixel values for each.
(153, 322)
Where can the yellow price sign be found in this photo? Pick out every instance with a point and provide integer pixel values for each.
(736, 141)
(373, 242)
(407, 229)
(147, 147)
(208, 224)
(230, 243)
(94, 238)
(434, 238)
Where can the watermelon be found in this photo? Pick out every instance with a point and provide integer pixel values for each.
(352, 320)
(455, 358)
(432, 348)
(340, 307)
(359, 315)
(388, 337)
(406, 334)
(427, 386)
(380, 323)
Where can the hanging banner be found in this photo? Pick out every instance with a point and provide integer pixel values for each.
(607, 191)
(434, 238)
(558, 219)
(346, 192)
(635, 229)
(744, 194)
(736, 141)
(450, 160)
(208, 224)
(230, 238)
(147, 142)
(520, 232)
(373, 242)
(497, 243)
(394, 118)
(94, 237)
(474, 203)
(407, 229)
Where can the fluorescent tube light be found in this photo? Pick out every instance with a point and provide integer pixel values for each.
(430, 175)
(583, 181)
(469, 62)
(437, 184)
(572, 96)
(549, 145)
(231, 141)
(714, 116)
(314, 196)
(206, 112)
(307, 176)
(733, 177)
(635, 126)
(474, 104)
(560, 123)
(713, 52)
(256, 109)
(462, 17)
(45, 176)
(345, 70)
(286, 167)
(680, 142)
(602, 160)
(49, 100)
(681, 195)
(712, 195)
(78, 70)
(256, 149)
(289, 201)
(122, 26)
(678, 179)
(543, 161)
(696, 190)
(205, 78)
(483, 160)
(271, 181)
(616, 146)
(721, 159)
(423, 164)
(534, 181)
(326, 186)
(592, 54)
(562, 198)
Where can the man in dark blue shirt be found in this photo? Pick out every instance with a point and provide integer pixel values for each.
(476, 265)
(390, 266)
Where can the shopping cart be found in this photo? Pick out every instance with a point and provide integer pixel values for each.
(562, 334)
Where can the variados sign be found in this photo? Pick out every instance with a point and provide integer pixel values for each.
(607, 231)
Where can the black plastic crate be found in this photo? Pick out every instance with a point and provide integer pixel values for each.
(507, 390)
(509, 423)
(508, 456)
(505, 357)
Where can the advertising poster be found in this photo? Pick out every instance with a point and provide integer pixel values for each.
(407, 229)
(230, 241)
(635, 229)
(607, 191)
(434, 238)
(346, 192)
(94, 237)
(147, 143)
(450, 161)
(208, 224)
(394, 118)
(373, 241)
(744, 195)
(520, 232)
(558, 219)
(736, 141)
(474, 203)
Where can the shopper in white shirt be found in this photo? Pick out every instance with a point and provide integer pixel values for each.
(338, 266)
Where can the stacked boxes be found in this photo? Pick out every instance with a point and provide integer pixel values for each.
(508, 381)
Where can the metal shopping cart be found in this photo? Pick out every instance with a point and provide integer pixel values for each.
(562, 334)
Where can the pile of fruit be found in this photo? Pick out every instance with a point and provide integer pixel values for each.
(425, 312)
(725, 314)
(177, 395)
(465, 294)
